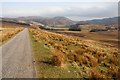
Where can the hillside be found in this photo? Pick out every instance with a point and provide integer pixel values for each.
(106, 21)
(61, 56)
(101, 24)
(15, 21)
(49, 21)
(86, 27)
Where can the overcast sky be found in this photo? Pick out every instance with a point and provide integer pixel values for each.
(74, 9)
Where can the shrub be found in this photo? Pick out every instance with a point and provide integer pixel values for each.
(96, 30)
(75, 28)
(91, 59)
(95, 73)
(80, 51)
(58, 57)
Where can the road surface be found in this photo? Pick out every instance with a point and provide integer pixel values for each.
(17, 57)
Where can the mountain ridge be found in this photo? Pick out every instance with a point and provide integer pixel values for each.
(59, 20)
(106, 21)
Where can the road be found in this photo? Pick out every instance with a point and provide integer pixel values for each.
(17, 59)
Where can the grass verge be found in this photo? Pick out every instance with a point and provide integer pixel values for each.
(43, 63)
(60, 56)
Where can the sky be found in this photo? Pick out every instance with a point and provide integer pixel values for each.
(59, 0)
(77, 10)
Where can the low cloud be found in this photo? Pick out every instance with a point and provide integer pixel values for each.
(70, 10)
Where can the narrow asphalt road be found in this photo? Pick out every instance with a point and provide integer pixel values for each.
(17, 57)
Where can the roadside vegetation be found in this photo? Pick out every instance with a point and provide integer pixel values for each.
(7, 33)
(61, 56)
(9, 30)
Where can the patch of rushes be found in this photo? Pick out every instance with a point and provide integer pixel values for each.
(73, 55)
(44, 64)
(7, 33)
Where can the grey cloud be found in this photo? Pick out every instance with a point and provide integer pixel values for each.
(108, 10)
(83, 10)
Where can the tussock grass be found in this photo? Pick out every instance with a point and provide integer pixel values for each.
(58, 57)
(90, 58)
(7, 33)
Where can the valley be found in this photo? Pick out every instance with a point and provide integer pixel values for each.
(77, 56)
(110, 37)
(59, 51)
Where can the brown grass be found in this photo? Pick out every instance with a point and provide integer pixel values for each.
(100, 59)
(95, 73)
(58, 57)
(80, 51)
(7, 33)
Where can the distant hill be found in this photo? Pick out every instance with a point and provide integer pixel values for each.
(60, 22)
(106, 21)
(15, 21)
(87, 27)
(98, 24)
(49, 21)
